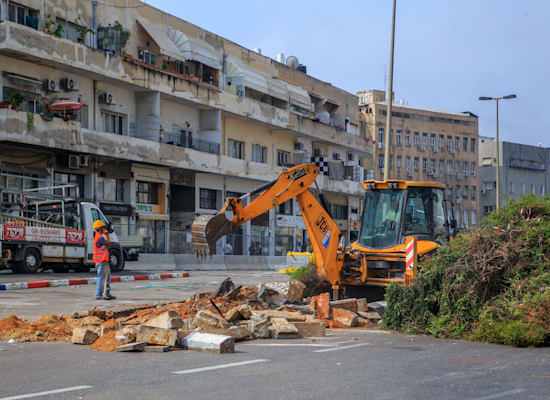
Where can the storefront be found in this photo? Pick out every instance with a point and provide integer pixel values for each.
(122, 217)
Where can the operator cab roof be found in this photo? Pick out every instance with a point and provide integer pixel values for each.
(399, 184)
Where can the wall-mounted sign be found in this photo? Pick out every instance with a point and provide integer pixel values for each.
(290, 221)
(116, 209)
(145, 209)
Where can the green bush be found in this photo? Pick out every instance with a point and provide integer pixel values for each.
(491, 284)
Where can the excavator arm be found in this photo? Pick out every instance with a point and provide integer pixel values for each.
(291, 183)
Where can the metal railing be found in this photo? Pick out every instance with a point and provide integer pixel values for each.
(189, 142)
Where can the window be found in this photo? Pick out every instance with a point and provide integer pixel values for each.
(285, 208)
(424, 140)
(340, 211)
(351, 156)
(457, 191)
(22, 15)
(457, 167)
(147, 192)
(391, 163)
(441, 166)
(424, 164)
(408, 138)
(208, 199)
(399, 162)
(449, 144)
(110, 38)
(380, 135)
(465, 192)
(398, 138)
(542, 190)
(465, 168)
(464, 144)
(235, 149)
(473, 220)
(110, 189)
(457, 143)
(449, 167)
(473, 169)
(69, 179)
(533, 188)
(416, 139)
(473, 145)
(336, 156)
(416, 163)
(283, 158)
(420, 216)
(466, 218)
(73, 31)
(381, 161)
(432, 164)
(473, 193)
(432, 140)
(147, 57)
(259, 154)
(441, 142)
(114, 123)
(511, 187)
(487, 210)
(408, 163)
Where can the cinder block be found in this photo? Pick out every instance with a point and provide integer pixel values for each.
(157, 336)
(310, 329)
(82, 335)
(209, 342)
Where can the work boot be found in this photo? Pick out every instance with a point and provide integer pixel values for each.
(109, 297)
(99, 298)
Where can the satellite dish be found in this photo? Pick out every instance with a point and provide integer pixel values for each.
(292, 62)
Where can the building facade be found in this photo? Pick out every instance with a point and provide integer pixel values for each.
(174, 119)
(426, 145)
(523, 169)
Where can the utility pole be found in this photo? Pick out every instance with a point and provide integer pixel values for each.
(389, 98)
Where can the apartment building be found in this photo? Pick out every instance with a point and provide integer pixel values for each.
(523, 169)
(426, 145)
(174, 119)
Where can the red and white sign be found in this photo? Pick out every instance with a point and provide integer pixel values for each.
(410, 257)
(43, 234)
(74, 236)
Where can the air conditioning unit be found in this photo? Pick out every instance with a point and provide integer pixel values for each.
(69, 85)
(431, 172)
(52, 86)
(380, 145)
(298, 146)
(74, 161)
(435, 174)
(106, 98)
(84, 161)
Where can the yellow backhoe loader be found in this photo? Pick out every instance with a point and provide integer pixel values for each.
(394, 212)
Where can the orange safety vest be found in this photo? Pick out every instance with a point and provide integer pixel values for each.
(100, 255)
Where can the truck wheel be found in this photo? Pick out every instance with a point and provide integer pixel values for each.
(30, 263)
(116, 260)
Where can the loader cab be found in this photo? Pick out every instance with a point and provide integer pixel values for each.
(394, 210)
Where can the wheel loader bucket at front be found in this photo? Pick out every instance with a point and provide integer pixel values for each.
(206, 231)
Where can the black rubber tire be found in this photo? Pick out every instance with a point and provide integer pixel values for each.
(116, 260)
(82, 268)
(30, 263)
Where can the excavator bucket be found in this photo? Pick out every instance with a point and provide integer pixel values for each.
(206, 231)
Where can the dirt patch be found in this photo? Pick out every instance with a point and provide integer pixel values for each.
(106, 342)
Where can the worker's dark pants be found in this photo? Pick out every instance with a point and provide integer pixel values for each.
(101, 270)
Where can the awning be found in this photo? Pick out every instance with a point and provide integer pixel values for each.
(167, 47)
(299, 97)
(193, 48)
(252, 79)
(277, 89)
(23, 80)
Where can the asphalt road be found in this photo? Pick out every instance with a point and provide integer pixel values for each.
(345, 365)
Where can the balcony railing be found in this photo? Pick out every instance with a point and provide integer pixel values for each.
(189, 142)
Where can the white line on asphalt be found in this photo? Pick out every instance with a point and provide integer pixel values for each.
(237, 364)
(298, 344)
(26, 396)
(341, 347)
(501, 394)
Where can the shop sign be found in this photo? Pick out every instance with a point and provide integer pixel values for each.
(290, 221)
(145, 209)
(116, 209)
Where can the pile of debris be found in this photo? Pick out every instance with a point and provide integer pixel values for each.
(210, 321)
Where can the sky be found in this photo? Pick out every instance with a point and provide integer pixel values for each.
(447, 52)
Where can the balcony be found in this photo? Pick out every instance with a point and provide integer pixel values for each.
(190, 142)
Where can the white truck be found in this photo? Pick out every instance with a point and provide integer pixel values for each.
(43, 228)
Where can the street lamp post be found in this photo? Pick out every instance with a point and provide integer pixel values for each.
(497, 99)
(389, 98)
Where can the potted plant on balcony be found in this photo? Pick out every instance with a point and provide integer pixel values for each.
(16, 99)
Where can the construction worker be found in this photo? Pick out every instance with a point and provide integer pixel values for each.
(101, 260)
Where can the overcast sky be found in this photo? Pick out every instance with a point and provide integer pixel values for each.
(447, 54)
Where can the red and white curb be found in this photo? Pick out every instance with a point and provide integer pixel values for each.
(90, 281)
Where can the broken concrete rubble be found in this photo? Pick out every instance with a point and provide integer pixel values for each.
(238, 313)
(321, 306)
(167, 320)
(156, 349)
(282, 329)
(345, 317)
(310, 329)
(207, 320)
(346, 304)
(157, 336)
(209, 342)
(82, 335)
(131, 347)
(362, 305)
(238, 332)
(296, 291)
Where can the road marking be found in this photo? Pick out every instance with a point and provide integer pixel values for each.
(339, 348)
(27, 396)
(237, 364)
(298, 344)
(498, 395)
(472, 361)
